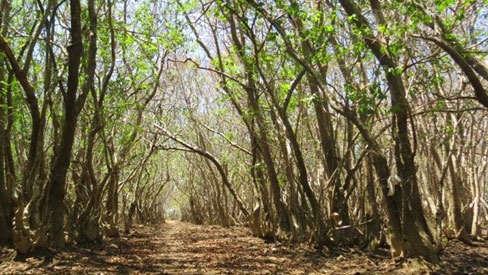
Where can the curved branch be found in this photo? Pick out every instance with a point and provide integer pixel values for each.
(479, 90)
(193, 149)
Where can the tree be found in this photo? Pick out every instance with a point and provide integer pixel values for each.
(307, 121)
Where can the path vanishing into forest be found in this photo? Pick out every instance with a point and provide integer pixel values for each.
(183, 248)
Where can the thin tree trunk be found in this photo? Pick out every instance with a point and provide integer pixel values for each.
(5, 218)
(262, 139)
(372, 213)
(419, 237)
(87, 209)
(62, 157)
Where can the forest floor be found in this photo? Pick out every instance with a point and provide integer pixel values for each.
(182, 248)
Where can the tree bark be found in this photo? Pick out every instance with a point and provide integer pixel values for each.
(62, 157)
(5, 198)
(407, 196)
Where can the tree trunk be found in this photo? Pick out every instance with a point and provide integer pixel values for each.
(461, 232)
(324, 121)
(328, 145)
(407, 196)
(5, 217)
(373, 228)
(322, 237)
(112, 204)
(62, 157)
(87, 208)
(262, 138)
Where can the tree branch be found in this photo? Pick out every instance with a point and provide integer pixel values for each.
(193, 149)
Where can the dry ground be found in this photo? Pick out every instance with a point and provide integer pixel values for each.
(182, 248)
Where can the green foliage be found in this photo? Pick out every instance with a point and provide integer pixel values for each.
(278, 41)
(366, 100)
(443, 5)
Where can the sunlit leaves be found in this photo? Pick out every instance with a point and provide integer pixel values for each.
(442, 5)
(366, 99)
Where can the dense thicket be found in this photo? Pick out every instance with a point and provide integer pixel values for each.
(331, 122)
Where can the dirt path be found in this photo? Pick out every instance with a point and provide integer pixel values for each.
(181, 248)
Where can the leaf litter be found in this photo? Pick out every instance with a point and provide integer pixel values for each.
(183, 248)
